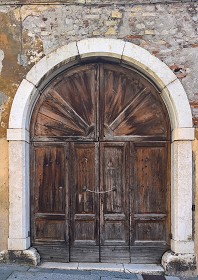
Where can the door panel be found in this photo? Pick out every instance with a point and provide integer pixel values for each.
(50, 176)
(114, 202)
(150, 168)
(84, 236)
(151, 216)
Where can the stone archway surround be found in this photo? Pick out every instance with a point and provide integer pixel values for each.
(178, 108)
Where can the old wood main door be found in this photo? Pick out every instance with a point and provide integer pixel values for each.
(99, 167)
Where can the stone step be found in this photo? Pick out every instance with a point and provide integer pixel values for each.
(150, 269)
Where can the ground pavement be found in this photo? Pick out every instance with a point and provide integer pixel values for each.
(47, 271)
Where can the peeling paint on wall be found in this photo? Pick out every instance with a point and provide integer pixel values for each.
(3, 100)
(1, 59)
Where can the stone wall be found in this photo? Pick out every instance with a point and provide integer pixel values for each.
(29, 30)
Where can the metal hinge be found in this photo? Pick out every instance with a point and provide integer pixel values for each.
(193, 207)
(28, 233)
(171, 236)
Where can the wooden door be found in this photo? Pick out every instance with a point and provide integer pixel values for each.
(100, 138)
(99, 202)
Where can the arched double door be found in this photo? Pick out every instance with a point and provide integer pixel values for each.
(100, 167)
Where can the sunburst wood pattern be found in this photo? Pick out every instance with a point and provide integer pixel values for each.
(100, 101)
(132, 106)
(67, 106)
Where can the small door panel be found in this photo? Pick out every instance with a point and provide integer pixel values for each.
(50, 179)
(151, 215)
(114, 212)
(84, 235)
(49, 229)
(150, 170)
(50, 174)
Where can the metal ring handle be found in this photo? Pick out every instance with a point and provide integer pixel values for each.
(87, 190)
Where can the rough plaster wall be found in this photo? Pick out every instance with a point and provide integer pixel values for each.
(28, 32)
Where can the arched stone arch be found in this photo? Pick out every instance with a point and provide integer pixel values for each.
(178, 108)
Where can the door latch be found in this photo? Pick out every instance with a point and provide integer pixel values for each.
(85, 189)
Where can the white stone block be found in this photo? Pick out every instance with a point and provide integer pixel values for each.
(152, 269)
(20, 106)
(182, 247)
(51, 62)
(149, 64)
(101, 266)
(172, 278)
(18, 134)
(183, 133)
(59, 265)
(179, 103)
(181, 190)
(19, 216)
(18, 243)
(100, 47)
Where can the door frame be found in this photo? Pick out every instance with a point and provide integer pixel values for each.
(179, 112)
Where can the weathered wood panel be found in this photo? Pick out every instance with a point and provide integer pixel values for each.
(131, 106)
(84, 253)
(53, 252)
(147, 254)
(100, 100)
(49, 200)
(151, 201)
(115, 254)
(114, 201)
(50, 188)
(67, 108)
(84, 233)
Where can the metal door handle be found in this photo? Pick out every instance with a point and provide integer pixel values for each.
(111, 190)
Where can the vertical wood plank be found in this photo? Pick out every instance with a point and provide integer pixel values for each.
(114, 202)
(84, 233)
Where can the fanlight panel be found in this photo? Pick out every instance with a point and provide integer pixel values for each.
(100, 101)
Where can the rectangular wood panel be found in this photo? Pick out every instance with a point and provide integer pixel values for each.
(150, 222)
(50, 230)
(147, 254)
(114, 215)
(49, 191)
(84, 232)
(150, 176)
(50, 179)
(53, 252)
